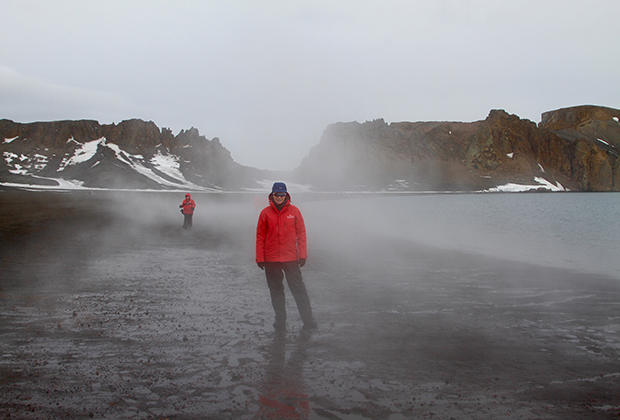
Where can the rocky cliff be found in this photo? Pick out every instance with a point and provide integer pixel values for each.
(594, 134)
(574, 148)
(133, 154)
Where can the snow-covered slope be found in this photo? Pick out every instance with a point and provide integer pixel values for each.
(131, 155)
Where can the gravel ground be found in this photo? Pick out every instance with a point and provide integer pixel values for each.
(107, 312)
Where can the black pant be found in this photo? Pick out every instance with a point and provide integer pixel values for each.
(275, 280)
(187, 222)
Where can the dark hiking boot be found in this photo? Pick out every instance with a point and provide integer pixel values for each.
(279, 325)
(311, 325)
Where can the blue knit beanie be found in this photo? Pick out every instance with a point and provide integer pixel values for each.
(278, 187)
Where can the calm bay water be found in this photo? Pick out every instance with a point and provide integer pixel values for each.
(578, 231)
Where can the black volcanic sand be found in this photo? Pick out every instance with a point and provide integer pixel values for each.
(104, 314)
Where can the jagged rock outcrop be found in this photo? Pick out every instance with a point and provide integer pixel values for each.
(133, 154)
(576, 150)
(594, 135)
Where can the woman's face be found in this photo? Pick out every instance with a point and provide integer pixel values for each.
(278, 198)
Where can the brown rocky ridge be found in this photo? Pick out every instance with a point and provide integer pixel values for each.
(572, 148)
(133, 154)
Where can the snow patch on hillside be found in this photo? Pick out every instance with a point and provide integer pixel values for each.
(82, 153)
(169, 165)
(22, 164)
(542, 183)
(266, 184)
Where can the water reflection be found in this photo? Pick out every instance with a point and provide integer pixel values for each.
(283, 394)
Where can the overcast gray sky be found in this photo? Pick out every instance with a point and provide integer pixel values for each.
(267, 77)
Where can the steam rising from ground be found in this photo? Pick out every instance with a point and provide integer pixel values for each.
(573, 231)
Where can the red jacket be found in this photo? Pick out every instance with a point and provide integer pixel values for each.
(188, 206)
(280, 235)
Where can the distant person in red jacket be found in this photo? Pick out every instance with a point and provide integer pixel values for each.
(187, 208)
(280, 251)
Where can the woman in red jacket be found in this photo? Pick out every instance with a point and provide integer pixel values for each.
(187, 208)
(280, 251)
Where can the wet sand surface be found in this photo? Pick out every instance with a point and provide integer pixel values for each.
(113, 316)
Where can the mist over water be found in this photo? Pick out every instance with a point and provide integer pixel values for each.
(577, 231)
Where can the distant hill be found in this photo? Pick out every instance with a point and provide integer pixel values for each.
(572, 148)
(133, 154)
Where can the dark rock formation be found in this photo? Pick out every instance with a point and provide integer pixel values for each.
(576, 150)
(130, 155)
(594, 135)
